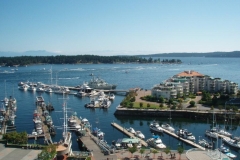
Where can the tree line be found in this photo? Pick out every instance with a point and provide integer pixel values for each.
(94, 59)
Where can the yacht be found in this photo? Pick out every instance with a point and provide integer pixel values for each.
(184, 133)
(224, 133)
(211, 133)
(234, 142)
(106, 103)
(98, 83)
(131, 130)
(31, 88)
(205, 143)
(111, 96)
(49, 90)
(168, 127)
(156, 127)
(24, 87)
(127, 143)
(139, 134)
(156, 142)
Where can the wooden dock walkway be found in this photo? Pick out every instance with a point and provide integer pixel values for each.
(166, 131)
(44, 126)
(184, 140)
(120, 128)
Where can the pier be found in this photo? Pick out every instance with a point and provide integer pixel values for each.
(182, 139)
(165, 131)
(46, 134)
(120, 128)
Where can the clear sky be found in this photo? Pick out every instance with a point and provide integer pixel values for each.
(111, 27)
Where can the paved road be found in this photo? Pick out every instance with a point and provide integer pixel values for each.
(17, 153)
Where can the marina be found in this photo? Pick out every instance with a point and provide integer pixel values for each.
(25, 101)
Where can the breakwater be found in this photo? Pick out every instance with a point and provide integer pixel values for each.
(189, 114)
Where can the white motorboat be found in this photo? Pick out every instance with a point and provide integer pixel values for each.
(127, 143)
(205, 143)
(184, 133)
(227, 152)
(111, 96)
(81, 94)
(49, 90)
(40, 89)
(131, 130)
(34, 132)
(139, 134)
(168, 127)
(156, 142)
(225, 133)
(24, 87)
(106, 103)
(235, 142)
(31, 88)
(212, 134)
(155, 127)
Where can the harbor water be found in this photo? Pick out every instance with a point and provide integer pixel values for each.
(125, 76)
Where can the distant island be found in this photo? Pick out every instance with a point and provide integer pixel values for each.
(31, 57)
(80, 59)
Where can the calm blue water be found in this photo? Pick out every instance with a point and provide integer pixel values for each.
(139, 75)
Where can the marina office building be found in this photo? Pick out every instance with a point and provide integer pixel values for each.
(192, 82)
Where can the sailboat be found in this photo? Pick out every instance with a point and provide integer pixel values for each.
(213, 132)
(223, 131)
(65, 146)
(168, 126)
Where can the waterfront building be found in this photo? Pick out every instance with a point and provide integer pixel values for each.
(193, 82)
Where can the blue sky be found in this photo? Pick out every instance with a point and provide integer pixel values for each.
(112, 27)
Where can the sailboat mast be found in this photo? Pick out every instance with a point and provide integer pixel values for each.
(51, 76)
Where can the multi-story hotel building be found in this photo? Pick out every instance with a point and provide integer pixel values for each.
(192, 82)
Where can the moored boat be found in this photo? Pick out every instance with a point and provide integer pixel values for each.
(156, 142)
(234, 142)
(168, 127)
(155, 127)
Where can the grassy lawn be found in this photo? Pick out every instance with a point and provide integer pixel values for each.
(136, 105)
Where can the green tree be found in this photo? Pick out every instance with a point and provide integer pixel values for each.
(154, 151)
(148, 105)
(48, 153)
(192, 103)
(132, 150)
(180, 151)
(131, 105)
(141, 104)
(161, 106)
(142, 150)
(167, 150)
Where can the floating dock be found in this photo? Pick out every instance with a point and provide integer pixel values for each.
(184, 140)
(128, 133)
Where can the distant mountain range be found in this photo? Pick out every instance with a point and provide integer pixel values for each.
(208, 54)
(180, 54)
(27, 53)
